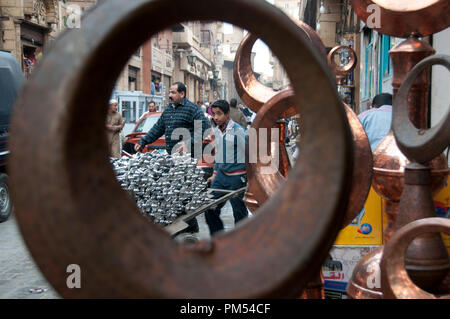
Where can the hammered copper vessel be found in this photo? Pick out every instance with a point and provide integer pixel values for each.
(390, 163)
(82, 216)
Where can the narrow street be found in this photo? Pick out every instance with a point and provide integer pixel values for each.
(20, 278)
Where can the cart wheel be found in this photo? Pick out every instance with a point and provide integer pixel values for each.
(5, 202)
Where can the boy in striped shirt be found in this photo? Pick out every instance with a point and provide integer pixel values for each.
(229, 167)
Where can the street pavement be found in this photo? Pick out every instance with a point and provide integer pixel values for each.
(20, 278)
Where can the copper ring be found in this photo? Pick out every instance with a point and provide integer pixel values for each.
(417, 144)
(263, 186)
(313, 37)
(403, 18)
(395, 281)
(71, 210)
(252, 92)
(345, 69)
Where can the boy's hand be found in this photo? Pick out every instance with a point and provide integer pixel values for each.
(210, 180)
(137, 147)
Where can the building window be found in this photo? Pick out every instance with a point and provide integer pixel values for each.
(385, 61)
(133, 76)
(205, 38)
(168, 47)
(141, 109)
(129, 111)
(368, 72)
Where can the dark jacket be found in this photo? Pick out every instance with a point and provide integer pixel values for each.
(181, 116)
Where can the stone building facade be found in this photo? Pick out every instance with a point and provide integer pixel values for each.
(26, 27)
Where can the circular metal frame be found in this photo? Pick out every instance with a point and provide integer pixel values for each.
(395, 281)
(417, 144)
(263, 186)
(82, 216)
(345, 69)
(252, 92)
(409, 17)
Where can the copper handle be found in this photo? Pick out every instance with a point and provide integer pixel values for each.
(252, 92)
(417, 144)
(395, 281)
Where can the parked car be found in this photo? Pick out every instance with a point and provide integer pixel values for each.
(11, 80)
(139, 131)
(145, 125)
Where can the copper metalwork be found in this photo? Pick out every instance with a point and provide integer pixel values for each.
(263, 186)
(341, 71)
(403, 18)
(395, 280)
(413, 139)
(389, 162)
(314, 288)
(279, 105)
(427, 259)
(252, 92)
(81, 216)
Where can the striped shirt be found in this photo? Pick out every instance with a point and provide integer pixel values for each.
(185, 115)
(230, 149)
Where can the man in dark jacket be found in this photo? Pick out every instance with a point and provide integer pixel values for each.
(179, 113)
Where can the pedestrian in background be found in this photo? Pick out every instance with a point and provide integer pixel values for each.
(377, 123)
(377, 120)
(236, 115)
(210, 113)
(151, 109)
(114, 125)
(249, 115)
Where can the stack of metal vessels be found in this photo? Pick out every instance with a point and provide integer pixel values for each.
(163, 186)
